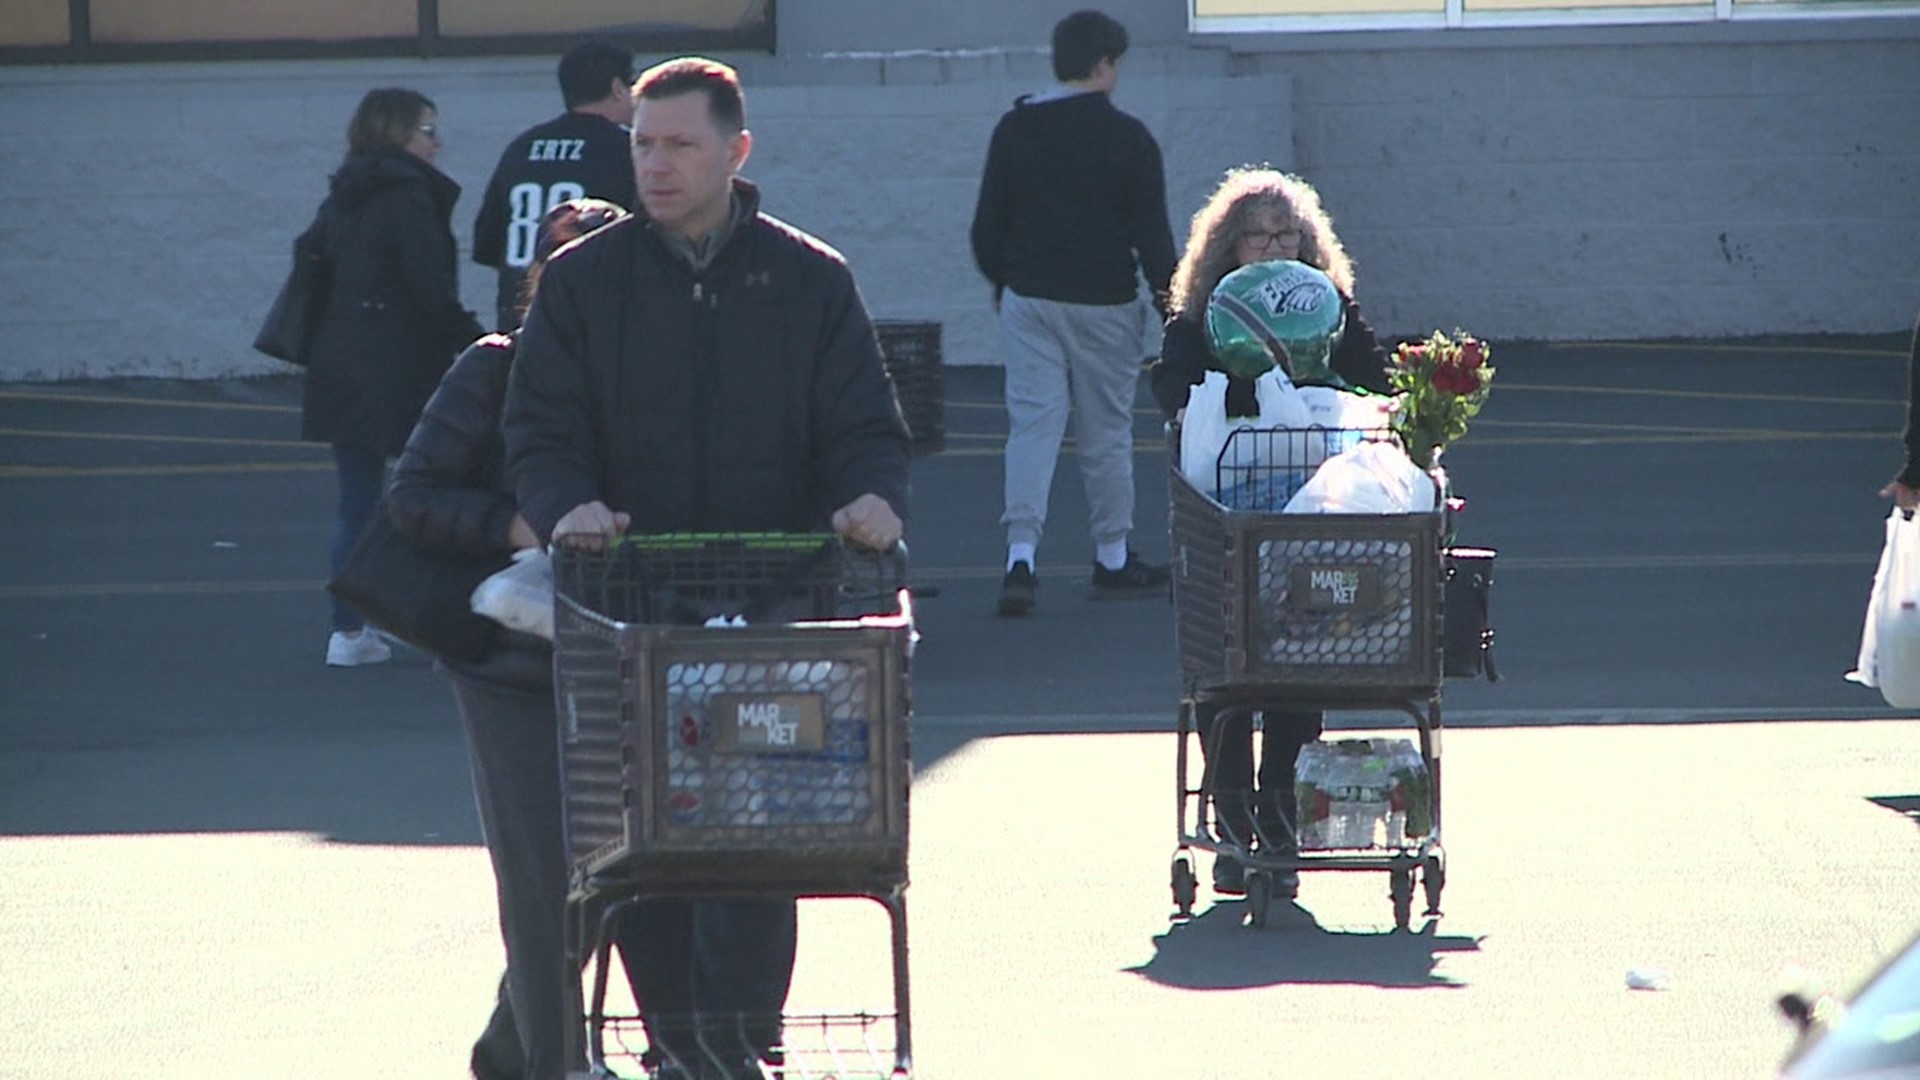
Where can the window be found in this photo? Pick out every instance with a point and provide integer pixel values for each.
(1254, 16)
(42, 30)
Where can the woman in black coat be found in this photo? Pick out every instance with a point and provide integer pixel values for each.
(1254, 216)
(392, 321)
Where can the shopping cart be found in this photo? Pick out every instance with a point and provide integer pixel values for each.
(702, 757)
(1278, 611)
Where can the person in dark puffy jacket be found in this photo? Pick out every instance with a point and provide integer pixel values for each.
(704, 367)
(392, 321)
(449, 492)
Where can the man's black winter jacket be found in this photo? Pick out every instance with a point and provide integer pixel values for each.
(749, 396)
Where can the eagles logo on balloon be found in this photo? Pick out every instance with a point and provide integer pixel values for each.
(1278, 313)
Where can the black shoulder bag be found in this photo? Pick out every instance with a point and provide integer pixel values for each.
(288, 328)
(416, 594)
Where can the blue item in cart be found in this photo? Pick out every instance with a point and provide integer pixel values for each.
(1266, 491)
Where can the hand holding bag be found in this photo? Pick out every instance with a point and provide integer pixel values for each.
(288, 328)
(519, 597)
(418, 595)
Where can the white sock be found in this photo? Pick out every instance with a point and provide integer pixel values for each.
(1020, 553)
(1113, 556)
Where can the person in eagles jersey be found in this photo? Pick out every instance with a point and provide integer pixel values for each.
(580, 154)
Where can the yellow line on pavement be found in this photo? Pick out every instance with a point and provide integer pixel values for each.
(65, 472)
(1716, 395)
(158, 588)
(938, 574)
(1622, 391)
(83, 399)
(197, 440)
(1675, 346)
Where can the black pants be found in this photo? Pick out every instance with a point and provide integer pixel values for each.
(711, 976)
(1240, 803)
(682, 957)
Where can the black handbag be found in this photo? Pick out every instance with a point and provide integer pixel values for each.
(1467, 635)
(419, 595)
(288, 328)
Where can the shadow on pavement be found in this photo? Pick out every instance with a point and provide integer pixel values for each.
(1216, 951)
(1908, 805)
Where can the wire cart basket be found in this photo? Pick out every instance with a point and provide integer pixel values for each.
(1303, 611)
(734, 722)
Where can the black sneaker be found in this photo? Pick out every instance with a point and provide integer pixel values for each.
(1136, 578)
(1017, 591)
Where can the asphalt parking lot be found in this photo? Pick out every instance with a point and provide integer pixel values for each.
(218, 856)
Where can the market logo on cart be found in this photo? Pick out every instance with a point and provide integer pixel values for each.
(1330, 588)
(768, 723)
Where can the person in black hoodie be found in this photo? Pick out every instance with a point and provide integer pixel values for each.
(1072, 208)
(582, 153)
(392, 320)
(449, 492)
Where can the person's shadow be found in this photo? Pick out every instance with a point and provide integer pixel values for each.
(1216, 951)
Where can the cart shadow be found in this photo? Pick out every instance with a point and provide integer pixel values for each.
(1906, 805)
(1216, 951)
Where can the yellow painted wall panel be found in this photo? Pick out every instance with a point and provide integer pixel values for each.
(144, 22)
(480, 18)
(33, 22)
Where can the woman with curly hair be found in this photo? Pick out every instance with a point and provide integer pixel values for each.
(1254, 216)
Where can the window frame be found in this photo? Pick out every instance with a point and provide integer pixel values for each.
(1458, 15)
(427, 42)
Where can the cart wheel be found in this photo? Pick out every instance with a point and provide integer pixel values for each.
(1401, 889)
(1259, 896)
(1185, 887)
(1433, 876)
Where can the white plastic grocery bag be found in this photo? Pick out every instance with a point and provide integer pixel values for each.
(1205, 427)
(1890, 641)
(1372, 478)
(521, 596)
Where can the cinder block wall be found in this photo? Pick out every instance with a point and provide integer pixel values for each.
(1633, 182)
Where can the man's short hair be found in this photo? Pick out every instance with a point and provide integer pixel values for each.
(1082, 40)
(587, 69)
(726, 102)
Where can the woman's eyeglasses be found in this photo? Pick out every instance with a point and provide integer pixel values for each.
(1262, 239)
(431, 131)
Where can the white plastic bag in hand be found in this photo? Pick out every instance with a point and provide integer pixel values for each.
(1372, 478)
(1281, 405)
(1203, 431)
(1890, 640)
(521, 596)
(1205, 427)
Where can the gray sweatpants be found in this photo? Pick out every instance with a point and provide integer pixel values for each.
(1061, 358)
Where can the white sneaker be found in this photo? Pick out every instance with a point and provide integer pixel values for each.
(352, 650)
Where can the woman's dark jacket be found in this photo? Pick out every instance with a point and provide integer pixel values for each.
(745, 395)
(449, 492)
(1185, 359)
(393, 320)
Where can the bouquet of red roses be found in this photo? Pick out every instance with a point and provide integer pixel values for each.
(1442, 382)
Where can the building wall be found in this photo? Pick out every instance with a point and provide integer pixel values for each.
(1626, 182)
